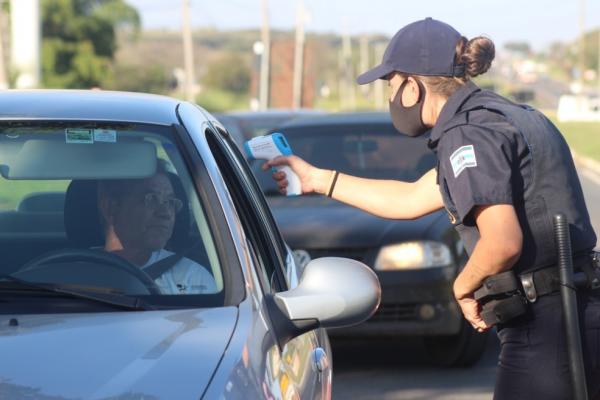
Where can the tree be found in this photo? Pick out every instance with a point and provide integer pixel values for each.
(79, 40)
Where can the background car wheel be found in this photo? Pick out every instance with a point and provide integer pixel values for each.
(461, 350)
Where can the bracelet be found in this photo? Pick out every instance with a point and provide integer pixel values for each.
(332, 186)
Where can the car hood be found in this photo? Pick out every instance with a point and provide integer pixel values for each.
(151, 354)
(319, 222)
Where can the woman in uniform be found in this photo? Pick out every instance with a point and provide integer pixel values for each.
(503, 172)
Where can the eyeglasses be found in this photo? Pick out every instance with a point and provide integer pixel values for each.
(154, 201)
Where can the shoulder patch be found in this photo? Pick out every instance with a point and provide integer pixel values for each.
(463, 157)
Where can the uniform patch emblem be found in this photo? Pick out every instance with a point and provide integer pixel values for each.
(463, 157)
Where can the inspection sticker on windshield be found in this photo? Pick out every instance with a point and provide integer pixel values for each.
(105, 135)
(463, 158)
(79, 136)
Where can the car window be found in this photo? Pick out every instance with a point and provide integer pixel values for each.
(265, 241)
(377, 152)
(105, 207)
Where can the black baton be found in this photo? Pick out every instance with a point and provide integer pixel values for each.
(569, 303)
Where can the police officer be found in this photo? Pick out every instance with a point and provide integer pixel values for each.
(503, 171)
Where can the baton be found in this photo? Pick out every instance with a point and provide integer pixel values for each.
(569, 304)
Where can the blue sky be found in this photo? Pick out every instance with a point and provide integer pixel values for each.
(537, 21)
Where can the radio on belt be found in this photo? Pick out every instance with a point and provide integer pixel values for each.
(269, 147)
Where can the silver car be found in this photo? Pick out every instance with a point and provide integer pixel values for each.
(140, 260)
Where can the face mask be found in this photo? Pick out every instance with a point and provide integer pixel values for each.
(407, 120)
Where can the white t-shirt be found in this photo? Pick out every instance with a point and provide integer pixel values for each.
(185, 277)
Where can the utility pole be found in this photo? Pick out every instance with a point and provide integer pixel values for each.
(364, 60)
(581, 42)
(188, 55)
(3, 31)
(342, 89)
(379, 84)
(348, 70)
(265, 61)
(25, 42)
(299, 56)
(598, 69)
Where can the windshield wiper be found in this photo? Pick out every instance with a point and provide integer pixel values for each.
(113, 299)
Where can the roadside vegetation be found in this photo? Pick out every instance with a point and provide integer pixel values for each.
(583, 137)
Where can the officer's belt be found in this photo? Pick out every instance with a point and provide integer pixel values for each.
(504, 296)
(532, 284)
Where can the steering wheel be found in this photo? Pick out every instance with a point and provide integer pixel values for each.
(93, 256)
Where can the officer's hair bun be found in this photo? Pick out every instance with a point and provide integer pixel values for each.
(476, 54)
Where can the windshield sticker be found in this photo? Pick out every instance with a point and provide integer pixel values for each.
(105, 135)
(79, 136)
(463, 158)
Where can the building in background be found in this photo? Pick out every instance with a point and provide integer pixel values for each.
(282, 75)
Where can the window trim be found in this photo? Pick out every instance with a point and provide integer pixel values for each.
(256, 209)
(233, 279)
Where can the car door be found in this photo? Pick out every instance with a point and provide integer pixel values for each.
(293, 369)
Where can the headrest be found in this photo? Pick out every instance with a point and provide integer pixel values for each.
(82, 218)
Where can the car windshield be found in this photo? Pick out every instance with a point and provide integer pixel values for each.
(368, 151)
(104, 211)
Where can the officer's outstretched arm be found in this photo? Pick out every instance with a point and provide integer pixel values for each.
(384, 198)
(390, 198)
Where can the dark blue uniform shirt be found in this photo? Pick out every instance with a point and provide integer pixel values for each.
(492, 151)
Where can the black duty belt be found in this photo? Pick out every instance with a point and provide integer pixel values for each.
(505, 296)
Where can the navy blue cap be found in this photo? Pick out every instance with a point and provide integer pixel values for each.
(425, 47)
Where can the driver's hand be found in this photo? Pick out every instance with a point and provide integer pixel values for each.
(310, 177)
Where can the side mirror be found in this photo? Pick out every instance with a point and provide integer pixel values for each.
(332, 292)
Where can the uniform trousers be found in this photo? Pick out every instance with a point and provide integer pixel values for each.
(533, 361)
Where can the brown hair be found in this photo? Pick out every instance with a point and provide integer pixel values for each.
(476, 55)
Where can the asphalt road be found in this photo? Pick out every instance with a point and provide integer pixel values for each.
(390, 370)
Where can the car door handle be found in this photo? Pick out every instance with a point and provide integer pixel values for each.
(320, 359)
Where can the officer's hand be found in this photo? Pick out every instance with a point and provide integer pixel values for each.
(471, 309)
(310, 177)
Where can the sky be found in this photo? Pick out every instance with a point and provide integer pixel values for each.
(538, 22)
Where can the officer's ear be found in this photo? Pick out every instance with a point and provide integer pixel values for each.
(411, 93)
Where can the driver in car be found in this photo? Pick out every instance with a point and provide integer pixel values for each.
(138, 217)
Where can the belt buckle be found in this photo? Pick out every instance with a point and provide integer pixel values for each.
(529, 287)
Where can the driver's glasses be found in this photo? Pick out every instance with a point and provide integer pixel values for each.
(154, 201)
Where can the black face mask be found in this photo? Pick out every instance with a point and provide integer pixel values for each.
(407, 120)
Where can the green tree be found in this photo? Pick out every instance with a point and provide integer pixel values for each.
(151, 78)
(79, 40)
(230, 73)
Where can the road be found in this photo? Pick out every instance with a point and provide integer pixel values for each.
(390, 370)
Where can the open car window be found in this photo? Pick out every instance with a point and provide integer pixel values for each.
(105, 208)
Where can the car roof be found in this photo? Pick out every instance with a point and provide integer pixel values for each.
(353, 118)
(275, 112)
(87, 105)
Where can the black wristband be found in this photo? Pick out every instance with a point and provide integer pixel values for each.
(335, 176)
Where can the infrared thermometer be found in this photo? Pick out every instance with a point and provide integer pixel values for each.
(269, 147)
